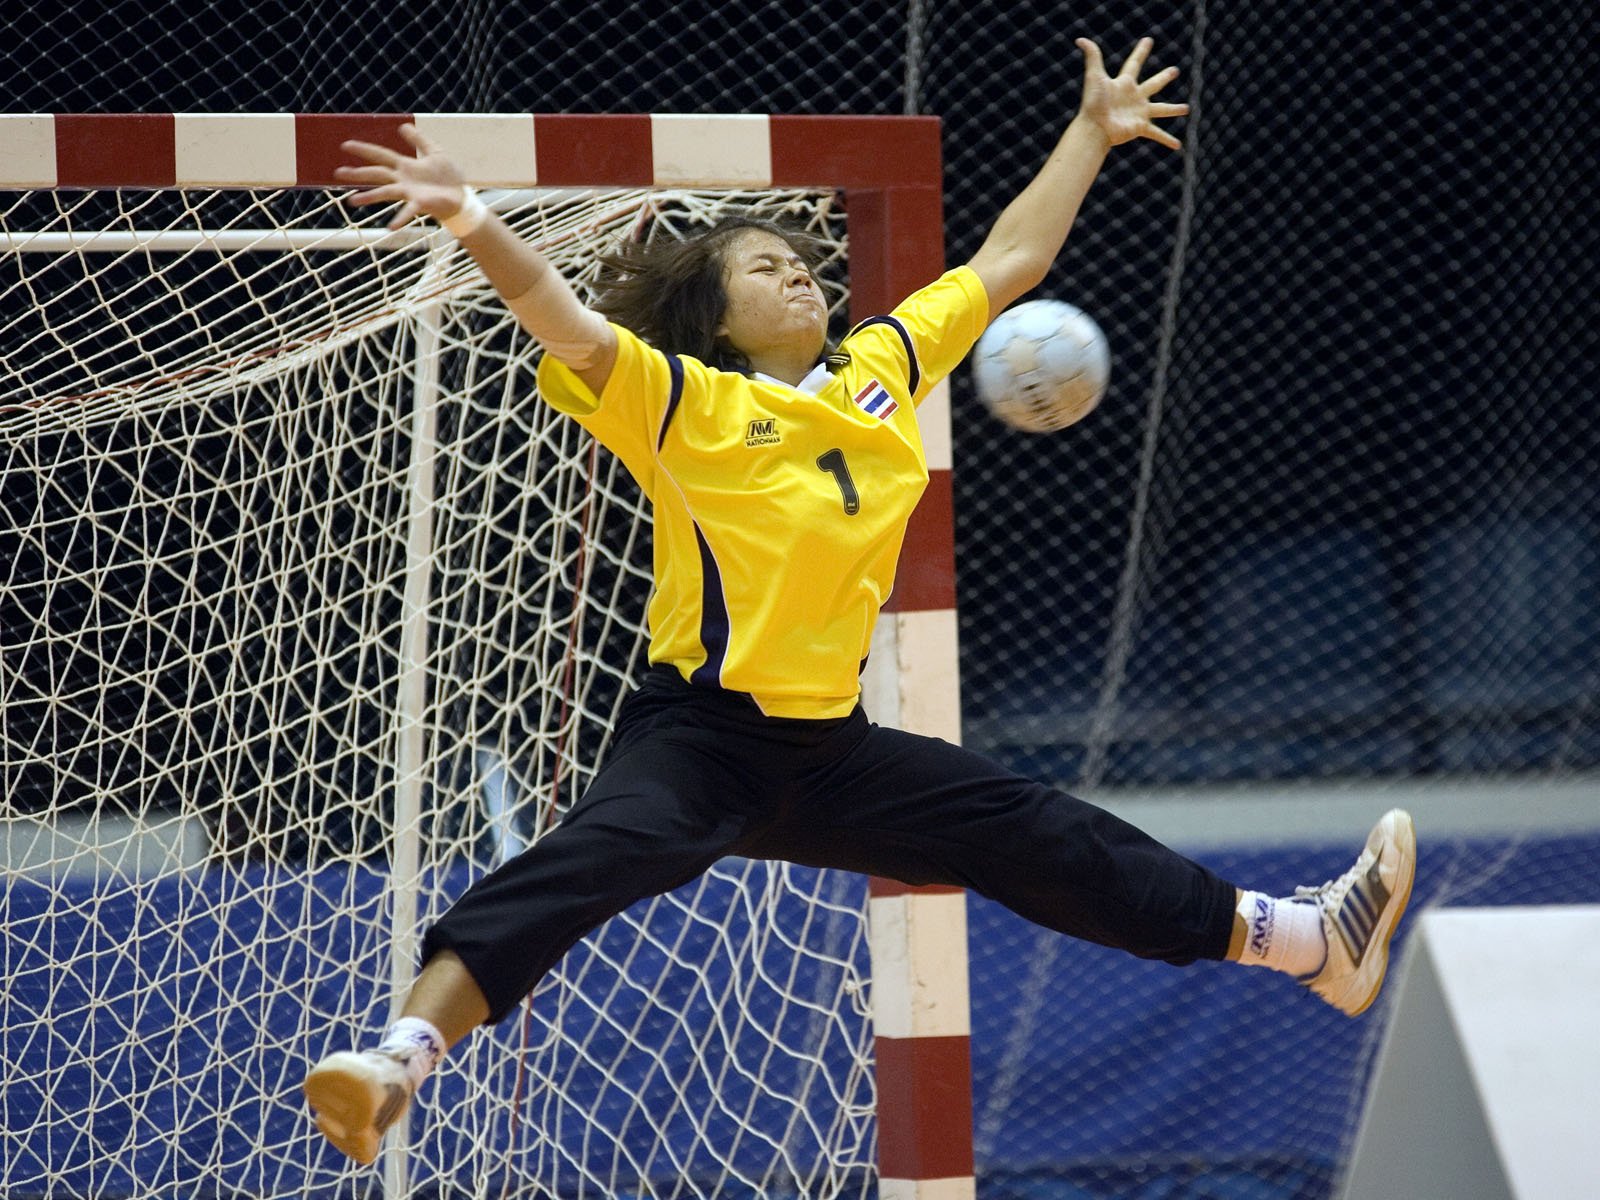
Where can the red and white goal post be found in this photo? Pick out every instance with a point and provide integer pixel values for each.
(312, 612)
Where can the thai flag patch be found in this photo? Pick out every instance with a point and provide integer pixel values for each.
(874, 400)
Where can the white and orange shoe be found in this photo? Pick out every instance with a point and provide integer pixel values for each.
(357, 1096)
(1360, 911)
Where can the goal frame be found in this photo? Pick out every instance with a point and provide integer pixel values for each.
(888, 170)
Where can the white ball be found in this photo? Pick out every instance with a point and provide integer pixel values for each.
(1042, 365)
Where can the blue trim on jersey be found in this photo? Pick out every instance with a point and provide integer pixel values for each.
(915, 375)
(714, 626)
(673, 397)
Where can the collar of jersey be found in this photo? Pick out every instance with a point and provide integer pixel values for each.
(813, 383)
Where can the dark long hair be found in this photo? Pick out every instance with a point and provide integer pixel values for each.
(671, 293)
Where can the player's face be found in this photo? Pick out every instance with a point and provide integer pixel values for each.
(773, 303)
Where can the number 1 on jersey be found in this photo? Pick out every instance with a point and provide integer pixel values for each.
(833, 463)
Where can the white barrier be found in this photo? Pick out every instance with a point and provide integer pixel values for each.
(1488, 1083)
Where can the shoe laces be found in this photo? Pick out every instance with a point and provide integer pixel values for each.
(1333, 891)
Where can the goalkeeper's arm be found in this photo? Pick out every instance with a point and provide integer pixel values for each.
(542, 301)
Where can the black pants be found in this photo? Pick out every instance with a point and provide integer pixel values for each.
(696, 774)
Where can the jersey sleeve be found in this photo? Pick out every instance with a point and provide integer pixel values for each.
(932, 329)
(626, 418)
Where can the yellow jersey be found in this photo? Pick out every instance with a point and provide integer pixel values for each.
(779, 510)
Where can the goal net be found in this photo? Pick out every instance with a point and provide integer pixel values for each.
(312, 613)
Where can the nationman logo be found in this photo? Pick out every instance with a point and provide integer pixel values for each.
(762, 433)
(874, 400)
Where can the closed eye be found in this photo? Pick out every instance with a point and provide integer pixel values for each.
(770, 263)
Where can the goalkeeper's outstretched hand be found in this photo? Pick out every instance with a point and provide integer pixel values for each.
(1123, 105)
(428, 183)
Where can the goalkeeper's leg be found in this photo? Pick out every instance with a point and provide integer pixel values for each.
(924, 811)
(356, 1095)
(656, 817)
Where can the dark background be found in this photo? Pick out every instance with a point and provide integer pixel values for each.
(1351, 432)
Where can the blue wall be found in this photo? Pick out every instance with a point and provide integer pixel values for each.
(1136, 1079)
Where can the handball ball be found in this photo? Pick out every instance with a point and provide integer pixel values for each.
(1042, 365)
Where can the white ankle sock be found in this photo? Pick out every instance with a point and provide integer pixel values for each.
(1283, 935)
(417, 1044)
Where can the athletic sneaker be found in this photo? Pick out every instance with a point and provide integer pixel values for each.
(1360, 910)
(356, 1097)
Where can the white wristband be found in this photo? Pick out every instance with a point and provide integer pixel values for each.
(468, 217)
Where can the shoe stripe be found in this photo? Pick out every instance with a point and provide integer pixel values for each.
(1355, 941)
(1360, 912)
(1359, 915)
(1355, 934)
(1358, 922)
(1363, 905)
(393, 1106)
(1374, 895)
(1364, 922)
